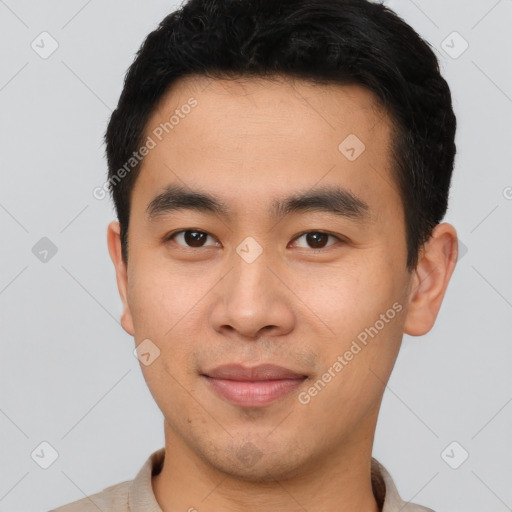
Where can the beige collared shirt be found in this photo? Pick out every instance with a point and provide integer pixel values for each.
(137, 495)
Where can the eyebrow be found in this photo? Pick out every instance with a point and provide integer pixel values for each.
(329, 199)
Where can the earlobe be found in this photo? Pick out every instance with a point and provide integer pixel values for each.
(114, 249)
(430, 280)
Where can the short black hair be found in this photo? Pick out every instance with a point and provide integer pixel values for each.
(320, 41)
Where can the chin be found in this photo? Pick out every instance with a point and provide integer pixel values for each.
(261, 461)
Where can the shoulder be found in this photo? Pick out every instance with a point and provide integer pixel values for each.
(117, 498)
(387, 494)
(412, 507)
(111, 499)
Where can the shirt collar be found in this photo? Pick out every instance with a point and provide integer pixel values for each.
(142, 499)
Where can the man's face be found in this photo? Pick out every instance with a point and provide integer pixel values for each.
(250, 286)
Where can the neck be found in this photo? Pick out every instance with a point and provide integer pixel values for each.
(337, 481)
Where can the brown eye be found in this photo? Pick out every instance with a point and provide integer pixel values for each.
(190, 238)
(316, 239)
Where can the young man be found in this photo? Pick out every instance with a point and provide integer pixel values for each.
(280, 171)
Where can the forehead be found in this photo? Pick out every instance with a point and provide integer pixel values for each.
(264, 138)
(277, 99)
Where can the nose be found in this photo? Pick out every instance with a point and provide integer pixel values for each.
(252, 299)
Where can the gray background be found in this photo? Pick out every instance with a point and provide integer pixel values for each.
(68, 375)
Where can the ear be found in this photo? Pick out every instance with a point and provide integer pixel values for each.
(436, 264)
(114, 248)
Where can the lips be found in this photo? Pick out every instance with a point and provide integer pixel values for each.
(262, 372)
(252, 387)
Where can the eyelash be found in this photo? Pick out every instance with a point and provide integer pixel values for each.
(172, 235)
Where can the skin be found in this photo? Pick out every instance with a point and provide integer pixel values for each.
(250, 142)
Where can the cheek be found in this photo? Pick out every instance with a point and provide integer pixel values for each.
(350, 297)
(366, 314)
(363, 306)
(165, 310)
(161, 296)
